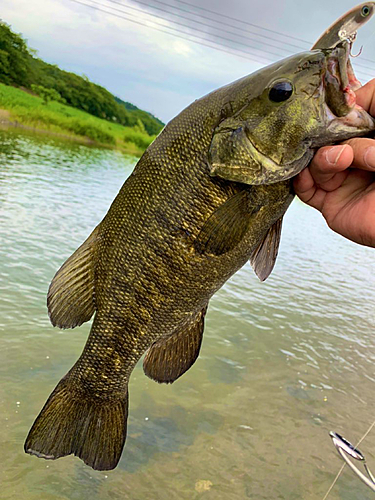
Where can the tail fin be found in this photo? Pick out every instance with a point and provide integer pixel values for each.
(71, 422)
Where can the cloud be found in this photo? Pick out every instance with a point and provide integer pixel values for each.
(154, 70)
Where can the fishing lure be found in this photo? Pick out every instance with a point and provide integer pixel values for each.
(345, 448)
(346, 26)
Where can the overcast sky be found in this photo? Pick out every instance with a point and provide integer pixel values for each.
(163, 73)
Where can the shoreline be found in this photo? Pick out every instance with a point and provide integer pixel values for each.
(6, 122)
(19, 109)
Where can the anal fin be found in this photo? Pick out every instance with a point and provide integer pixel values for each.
(264, 256)
(70, 297)
(168, 359)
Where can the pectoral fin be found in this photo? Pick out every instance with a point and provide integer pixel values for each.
(167, 359)
(226, 227)
(264, 256)
(70, 297)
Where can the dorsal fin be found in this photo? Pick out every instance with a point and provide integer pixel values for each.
(70, 298)
(167, 359)
(264, 256)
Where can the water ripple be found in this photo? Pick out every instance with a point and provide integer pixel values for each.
(282, 362)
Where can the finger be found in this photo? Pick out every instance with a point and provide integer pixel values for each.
(326, 170)
(364, 153)
(356, 183)
(328, 165)
(307, 190)
(304, 185)
(330, 160)
(366, 97)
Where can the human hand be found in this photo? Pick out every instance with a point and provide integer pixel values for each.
(340, 182)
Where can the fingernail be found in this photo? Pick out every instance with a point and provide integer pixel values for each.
(369, 157)
(333, 154)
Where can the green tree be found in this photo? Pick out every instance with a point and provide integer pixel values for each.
(14, 57)
(20, 66)
(47, 94)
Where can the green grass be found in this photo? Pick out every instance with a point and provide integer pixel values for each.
(54, 117)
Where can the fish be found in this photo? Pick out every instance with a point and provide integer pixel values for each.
(207, 196)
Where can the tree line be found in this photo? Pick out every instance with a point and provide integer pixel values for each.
(20, 67)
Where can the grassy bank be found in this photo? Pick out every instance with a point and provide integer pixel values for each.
(33, 112)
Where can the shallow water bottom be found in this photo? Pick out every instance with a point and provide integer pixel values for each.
(282, 362)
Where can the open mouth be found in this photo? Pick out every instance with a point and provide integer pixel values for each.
(340, 81)
(340, 84)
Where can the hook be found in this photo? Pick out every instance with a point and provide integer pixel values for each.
(359, 53)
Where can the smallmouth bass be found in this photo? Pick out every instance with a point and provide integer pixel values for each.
(207, 196)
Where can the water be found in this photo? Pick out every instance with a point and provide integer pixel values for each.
(282, 362)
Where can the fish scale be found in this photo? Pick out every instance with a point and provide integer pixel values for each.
(206, 197)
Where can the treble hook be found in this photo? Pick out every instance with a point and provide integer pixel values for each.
(350, 38)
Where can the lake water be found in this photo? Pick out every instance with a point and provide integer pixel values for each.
(282, 362)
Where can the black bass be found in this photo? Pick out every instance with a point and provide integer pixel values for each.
(206, 197)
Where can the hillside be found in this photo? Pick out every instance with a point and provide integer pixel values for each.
(35, 113)
(19, 67)
(144, 116)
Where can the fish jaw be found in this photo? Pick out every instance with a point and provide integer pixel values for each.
(343, 116)
(354, 124)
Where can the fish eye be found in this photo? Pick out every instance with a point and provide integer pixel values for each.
(280, 91)
(365, 11)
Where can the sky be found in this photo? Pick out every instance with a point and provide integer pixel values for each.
(121, 50)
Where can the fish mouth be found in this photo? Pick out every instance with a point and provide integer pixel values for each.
(339, 85)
